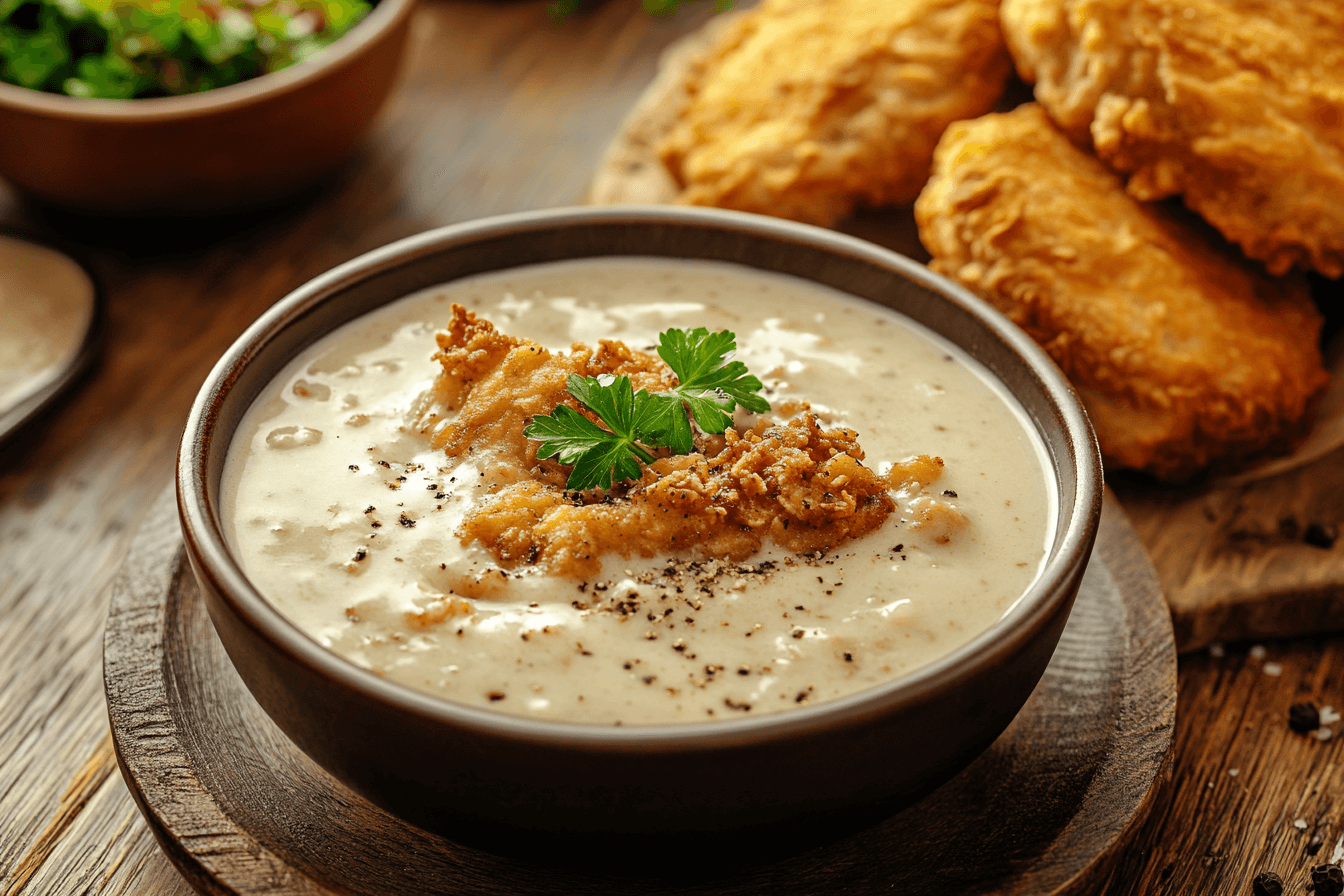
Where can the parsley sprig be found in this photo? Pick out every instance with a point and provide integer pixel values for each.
(709, 387)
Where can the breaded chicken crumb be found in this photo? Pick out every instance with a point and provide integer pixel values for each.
(791, 482)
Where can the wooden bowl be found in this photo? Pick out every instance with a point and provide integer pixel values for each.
(232, 148)
(462, 770)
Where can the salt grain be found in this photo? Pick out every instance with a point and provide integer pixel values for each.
(1274, 669)
(1233, 772)
(1328, 715)
(1217, 650)
(1300, 824)
(1324, 734)
(1257, 652)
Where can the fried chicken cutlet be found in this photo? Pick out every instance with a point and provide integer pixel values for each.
(1237, 105)
(792, 482)
(1185, 355)
(805, 109)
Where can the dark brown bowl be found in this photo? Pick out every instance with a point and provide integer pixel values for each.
(455, 768)
(242, 146)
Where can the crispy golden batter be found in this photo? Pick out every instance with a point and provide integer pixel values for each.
(801, 486)
(1236, 104)
(1185, 355)
(497, 383)
(806, 108)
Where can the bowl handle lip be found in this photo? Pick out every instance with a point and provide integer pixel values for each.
(1050, 594)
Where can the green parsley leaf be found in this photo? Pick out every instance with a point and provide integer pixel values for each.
(662, 422)
(600, 457)
(708, 384)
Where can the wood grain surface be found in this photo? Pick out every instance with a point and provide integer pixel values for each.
(207, 765)
(1238, 558)
(501, 109)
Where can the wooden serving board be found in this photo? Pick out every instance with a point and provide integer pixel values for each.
(241, 811)
(1251, 557)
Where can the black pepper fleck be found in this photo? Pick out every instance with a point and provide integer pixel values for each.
(354, 467)
(849, 657)
(495, 696)
(949, 493)
(360, 554)
(1321, 535)
(1304, 718)
(1328, 880)
(1267, 883)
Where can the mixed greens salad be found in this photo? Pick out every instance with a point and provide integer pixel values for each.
(128, 49)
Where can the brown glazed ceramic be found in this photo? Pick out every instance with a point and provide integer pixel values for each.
(236, 147)
(461, 770)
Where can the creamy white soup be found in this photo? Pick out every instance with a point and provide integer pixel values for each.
(345, 519)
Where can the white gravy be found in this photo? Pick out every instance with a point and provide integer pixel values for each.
(331, 437)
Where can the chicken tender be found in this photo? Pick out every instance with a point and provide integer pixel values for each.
(1185, 355)
(800, 486)
(805, 109)
(1237, 105)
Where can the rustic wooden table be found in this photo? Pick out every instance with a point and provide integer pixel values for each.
(501, 110)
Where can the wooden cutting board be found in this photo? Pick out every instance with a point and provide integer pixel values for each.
(1245, 558)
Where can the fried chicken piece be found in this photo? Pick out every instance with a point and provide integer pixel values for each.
(1238, 105)
(497, 383)
(1185, 355)
(805, 109)
(802, 487)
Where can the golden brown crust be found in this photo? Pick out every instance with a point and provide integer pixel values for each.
(1238, 105)
(805, 109)
(801, 486)
(798, 485)
(497, 383)
(1185, 355)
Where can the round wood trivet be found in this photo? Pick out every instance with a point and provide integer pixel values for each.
(240, 810)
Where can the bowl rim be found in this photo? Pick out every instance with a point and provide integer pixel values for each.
(207, 547)
(384, 17)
